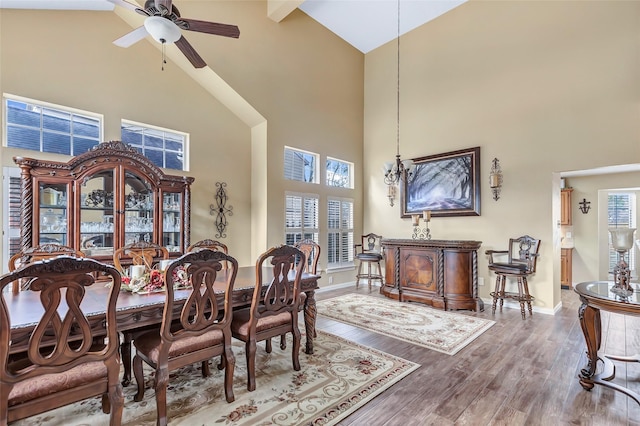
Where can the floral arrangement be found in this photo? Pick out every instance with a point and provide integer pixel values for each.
(153, 281)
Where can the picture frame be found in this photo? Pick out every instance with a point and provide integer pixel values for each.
(445, 184)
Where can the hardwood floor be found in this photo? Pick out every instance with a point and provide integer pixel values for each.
(519, 372)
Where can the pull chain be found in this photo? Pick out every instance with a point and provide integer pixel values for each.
(164, 60)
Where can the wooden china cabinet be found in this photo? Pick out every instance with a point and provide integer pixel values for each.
(101, 200)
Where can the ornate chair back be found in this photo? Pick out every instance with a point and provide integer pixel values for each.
(311, 250)
(211, 245)
(62, 343)
(140, 253)
(39, 252)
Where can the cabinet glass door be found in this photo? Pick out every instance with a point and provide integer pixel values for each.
(97, 214)
(138, 209)
(53, 218)
(171, 221)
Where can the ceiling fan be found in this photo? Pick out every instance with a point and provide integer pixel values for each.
(164, 24)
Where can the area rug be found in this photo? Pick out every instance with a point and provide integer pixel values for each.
(415, 323)
(336, 380)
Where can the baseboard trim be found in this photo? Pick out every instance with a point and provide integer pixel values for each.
(515, 305)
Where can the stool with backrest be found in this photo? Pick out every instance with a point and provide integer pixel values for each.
(521, 259)
(66, 359)
(369, 251)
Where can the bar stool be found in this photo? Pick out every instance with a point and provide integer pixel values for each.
(369, 252)
(521, 262)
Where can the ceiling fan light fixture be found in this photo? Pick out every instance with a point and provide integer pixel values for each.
(162, 30)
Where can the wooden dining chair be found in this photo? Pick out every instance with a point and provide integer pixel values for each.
(139, 253)
(39, 252)
(68, 358)
(209, 244)
(201, 333)
(311, 250)
(275, 311)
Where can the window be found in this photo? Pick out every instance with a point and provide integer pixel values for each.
(340, 232)
(51, 128)
(163, 147)
(301, 217)
(621, 212)
(300, 165)
(339, 173)
(11, 214)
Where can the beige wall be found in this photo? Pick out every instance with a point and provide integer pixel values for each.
(305, 81)
(545, 87)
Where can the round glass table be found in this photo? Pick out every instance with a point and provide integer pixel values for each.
(596, 296)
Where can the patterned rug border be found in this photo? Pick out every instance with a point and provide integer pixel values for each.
(461, 345)
(244, 409)
(355, 402)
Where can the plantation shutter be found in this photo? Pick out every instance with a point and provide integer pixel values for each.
(11, 201)
(620, 213)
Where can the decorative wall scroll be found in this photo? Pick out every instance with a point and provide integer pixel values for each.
(221, 210)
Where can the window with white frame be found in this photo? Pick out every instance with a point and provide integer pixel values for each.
(621, 212)
(301, 217)
(339, 173)
(44, 127)
(11, 214)
(300, 165)
(340, 232)
(163, 147)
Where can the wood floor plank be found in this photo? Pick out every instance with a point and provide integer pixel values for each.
(519, 372)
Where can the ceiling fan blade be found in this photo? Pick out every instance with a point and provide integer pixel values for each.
(130, 6)
(214, 28)
(132, 37)
(190, 53)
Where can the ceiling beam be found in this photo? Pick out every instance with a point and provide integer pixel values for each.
(277, 10)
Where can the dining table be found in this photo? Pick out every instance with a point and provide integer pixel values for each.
(136, 311)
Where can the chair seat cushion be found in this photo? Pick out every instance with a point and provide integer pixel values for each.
(370, 257)
(240, 323)
(149, 343)
(47, 384)
(509, 267)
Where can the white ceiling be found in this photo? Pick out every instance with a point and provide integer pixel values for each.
(365, 24)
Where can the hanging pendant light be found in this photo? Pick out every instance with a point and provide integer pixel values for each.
(396, 170)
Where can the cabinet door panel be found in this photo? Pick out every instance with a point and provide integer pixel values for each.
(53, 221)
(139, 204)
(419, 269)
(97, 200)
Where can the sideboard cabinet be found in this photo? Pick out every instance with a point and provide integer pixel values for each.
(440, 273)
(101, 200)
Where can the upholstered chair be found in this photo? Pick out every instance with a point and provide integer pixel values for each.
(66, 358)
(202, 330)
(273, 312)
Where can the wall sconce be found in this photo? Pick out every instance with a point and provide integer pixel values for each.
(495, 178)
(585, 206)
